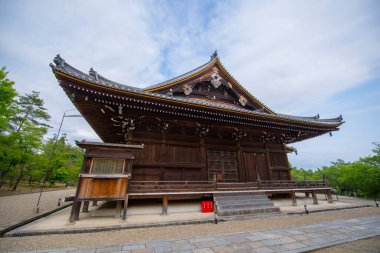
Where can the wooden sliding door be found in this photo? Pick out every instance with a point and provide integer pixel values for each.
(254, 165)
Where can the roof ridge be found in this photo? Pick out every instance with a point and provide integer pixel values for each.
(182, 76)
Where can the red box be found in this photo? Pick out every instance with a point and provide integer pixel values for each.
(207, 206)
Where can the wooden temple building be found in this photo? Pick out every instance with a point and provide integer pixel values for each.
(198, 133)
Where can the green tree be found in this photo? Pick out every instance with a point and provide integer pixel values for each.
(360, 178)
(7, 96)
(66, 162)
(25, 135)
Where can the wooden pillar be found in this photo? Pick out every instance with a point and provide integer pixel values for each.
(307, 195)
(118, 208)
(77, 210)
(85, 206)
(95, 203)
(163, 155)
(165, 202)
(294, 200)
(126, 198)
(329, 196)
(315, 200)
(202, 150)
(76, 202)
(241, 175)
(287, 163)
(267, 158)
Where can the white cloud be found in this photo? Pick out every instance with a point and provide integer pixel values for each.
(293, 55)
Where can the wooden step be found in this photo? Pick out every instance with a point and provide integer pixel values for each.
(243, 203)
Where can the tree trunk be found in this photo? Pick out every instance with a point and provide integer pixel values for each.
(4, 174)
(19, 177)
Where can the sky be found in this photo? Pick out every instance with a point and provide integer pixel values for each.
(297, 57)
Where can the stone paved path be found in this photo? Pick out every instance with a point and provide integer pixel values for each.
(293, 239)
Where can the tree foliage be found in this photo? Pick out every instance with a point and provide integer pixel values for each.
(360, 178)
(7, 96)
(24, 153)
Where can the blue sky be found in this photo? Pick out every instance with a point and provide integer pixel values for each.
(298, 57)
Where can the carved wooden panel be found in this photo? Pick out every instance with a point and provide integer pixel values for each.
(222, 165)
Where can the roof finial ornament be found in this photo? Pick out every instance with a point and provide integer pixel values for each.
(93, 73)
(214, 55)
(340, 117)
(59, 61)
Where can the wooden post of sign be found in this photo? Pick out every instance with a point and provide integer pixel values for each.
(294, 200)
(329, 196)
(315, 200)
(165, 202)
(85, 206)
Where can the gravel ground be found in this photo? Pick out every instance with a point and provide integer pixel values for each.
(371, 245)
(173, 232)
(16, 208)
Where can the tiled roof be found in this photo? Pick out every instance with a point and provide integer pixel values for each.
(94, 77)
(183, 76)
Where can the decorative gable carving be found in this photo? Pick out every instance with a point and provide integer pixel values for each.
(212, 85)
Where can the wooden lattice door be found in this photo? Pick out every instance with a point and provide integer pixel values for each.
(222, 166)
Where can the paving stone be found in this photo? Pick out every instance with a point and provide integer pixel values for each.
(294, 245)
(241, 248)
(207, 244)
(202, 239)
(264, 250)
(221, 242)
(182, 245)
(296, 232)
(340, 236)
(236, 238)
(205, 250)
(146, 250)
(133, 246)
(287, 240)
(256, 245)
(271, 242)
(160, 246)
(299, 237)
(309, 243)
(107, 249)
(222, 249)
(85, 250)
(278, 248)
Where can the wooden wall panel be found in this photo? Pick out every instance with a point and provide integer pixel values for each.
(182, 154)
(102, 188)
(173, 174)
(146, 174)
(278, 159)
(150, 153)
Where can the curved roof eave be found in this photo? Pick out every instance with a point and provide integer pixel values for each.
(94, 79)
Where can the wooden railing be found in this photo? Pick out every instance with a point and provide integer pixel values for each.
(286, 184)
(204, 186)
(171, 186)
